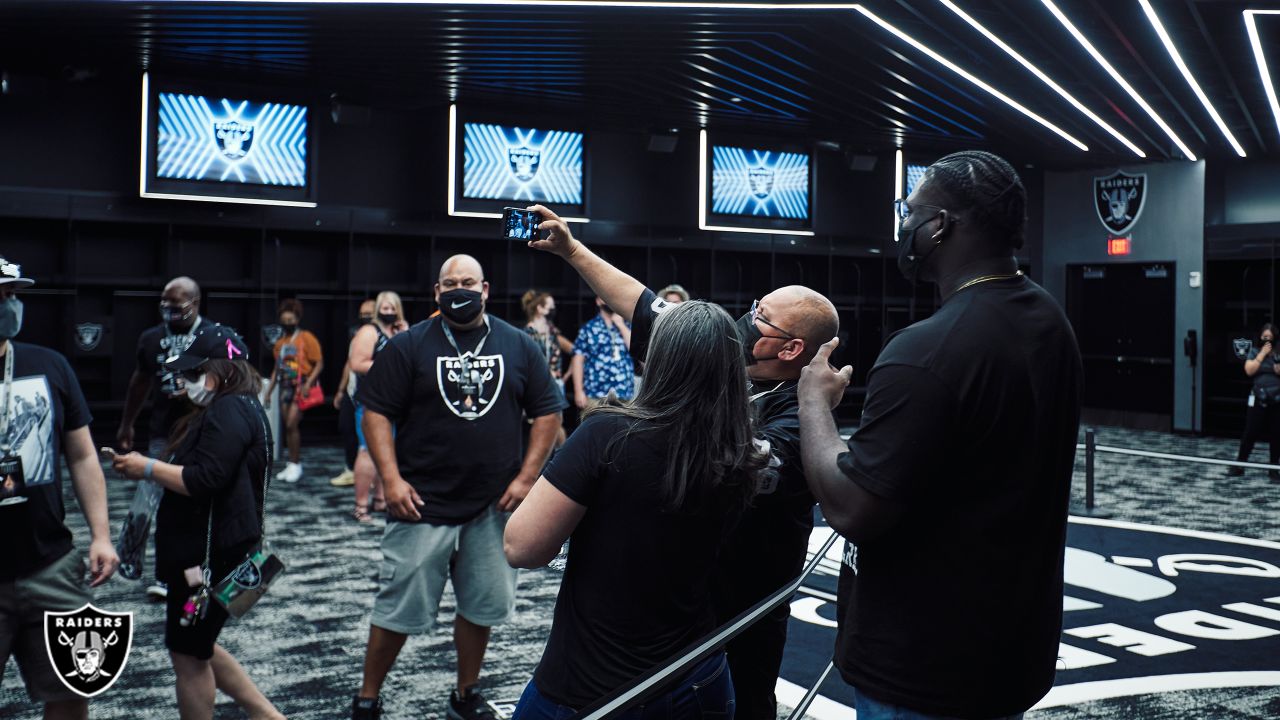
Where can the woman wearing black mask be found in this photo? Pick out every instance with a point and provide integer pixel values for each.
(368, 341)
(212, 513)
(299, 361)
(1263, 415)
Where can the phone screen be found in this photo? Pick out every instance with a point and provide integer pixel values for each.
(518, 224)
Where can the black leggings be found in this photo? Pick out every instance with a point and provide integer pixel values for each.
(1261, 422)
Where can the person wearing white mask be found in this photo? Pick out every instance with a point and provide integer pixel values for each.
(212, 513)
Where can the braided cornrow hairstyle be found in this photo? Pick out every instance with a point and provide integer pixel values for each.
(988, 190)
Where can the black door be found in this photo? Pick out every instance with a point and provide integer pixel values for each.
(1123, 315)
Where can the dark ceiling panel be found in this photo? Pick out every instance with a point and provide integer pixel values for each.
(826, 75)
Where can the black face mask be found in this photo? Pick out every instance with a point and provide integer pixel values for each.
(551, 314)
(289, 327)
(177, 316)
(909, 263)
(366, 319)
(1264, 341)
(750, 335)
(388, 318)
(461, 306)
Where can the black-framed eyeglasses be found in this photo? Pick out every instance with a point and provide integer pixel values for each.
(756, 316)
(164, 305)
(904, 211)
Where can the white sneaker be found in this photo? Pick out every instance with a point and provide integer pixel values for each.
(292, 473)
(158, 591)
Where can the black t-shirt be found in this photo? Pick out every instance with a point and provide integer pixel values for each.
(459, 450)
(1265, 379)
(637, 586)
(168, 397)
(224, 464)
(970, 425)
(47, 404)
(767, 548)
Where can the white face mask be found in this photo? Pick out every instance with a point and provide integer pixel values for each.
(199, 394)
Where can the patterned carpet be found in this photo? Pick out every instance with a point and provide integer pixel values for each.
(304, 644)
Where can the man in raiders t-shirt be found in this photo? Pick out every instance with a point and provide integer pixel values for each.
(179, 320)
(43, 418)
(457, 388)
(766, 550)
(953, 490)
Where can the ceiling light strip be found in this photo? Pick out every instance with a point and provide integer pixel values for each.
(1097, 56)
(1186, 73)
(972, 78)
(1043, 77)
(642, 4)
(1261, 59)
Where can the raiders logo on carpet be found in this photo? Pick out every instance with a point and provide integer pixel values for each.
(1146, 609)
(88, 647)
(470, 389)
(88, 335)
(1119, 199)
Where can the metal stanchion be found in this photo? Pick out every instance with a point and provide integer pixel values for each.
(1090, 453)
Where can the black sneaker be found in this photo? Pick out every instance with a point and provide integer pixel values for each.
(471, 706)
(366, 708)
(1274, 475)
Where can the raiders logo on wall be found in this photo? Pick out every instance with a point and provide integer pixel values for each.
(1119, 199)
(1243, 348)
(471, 384)
(272, 333)
(88, 647)
(88, 335)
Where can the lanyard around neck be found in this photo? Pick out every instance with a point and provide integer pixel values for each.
(466, 364)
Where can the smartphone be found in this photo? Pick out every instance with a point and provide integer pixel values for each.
(107, 454)
(520, 224)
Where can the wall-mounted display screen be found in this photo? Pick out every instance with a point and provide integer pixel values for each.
(521, 164)
(915, 173)
(759, 183)
(230, 140)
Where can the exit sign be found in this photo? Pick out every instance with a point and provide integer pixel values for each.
(1119, 246)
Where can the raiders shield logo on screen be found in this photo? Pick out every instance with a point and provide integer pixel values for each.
(470, 389)
(761, 180)
(524, 162)
(234, 138)
(88, 647)
(1118, 199)
(88, 335)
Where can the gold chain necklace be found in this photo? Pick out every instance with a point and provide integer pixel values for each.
(985, 278)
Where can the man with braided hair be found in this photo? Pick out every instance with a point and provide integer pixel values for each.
(953, 491)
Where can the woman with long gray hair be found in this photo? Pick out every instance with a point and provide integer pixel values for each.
(646, 490)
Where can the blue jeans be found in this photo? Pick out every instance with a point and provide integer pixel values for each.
(871, 709)
(706, 692)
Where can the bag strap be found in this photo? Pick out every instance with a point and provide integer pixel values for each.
(269, 449)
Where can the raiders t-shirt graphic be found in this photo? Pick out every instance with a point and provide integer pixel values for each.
(470, 384)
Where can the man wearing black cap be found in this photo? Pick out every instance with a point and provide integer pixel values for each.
(179, 320)
(42, 415)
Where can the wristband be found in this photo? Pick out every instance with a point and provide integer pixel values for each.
(146, 472)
